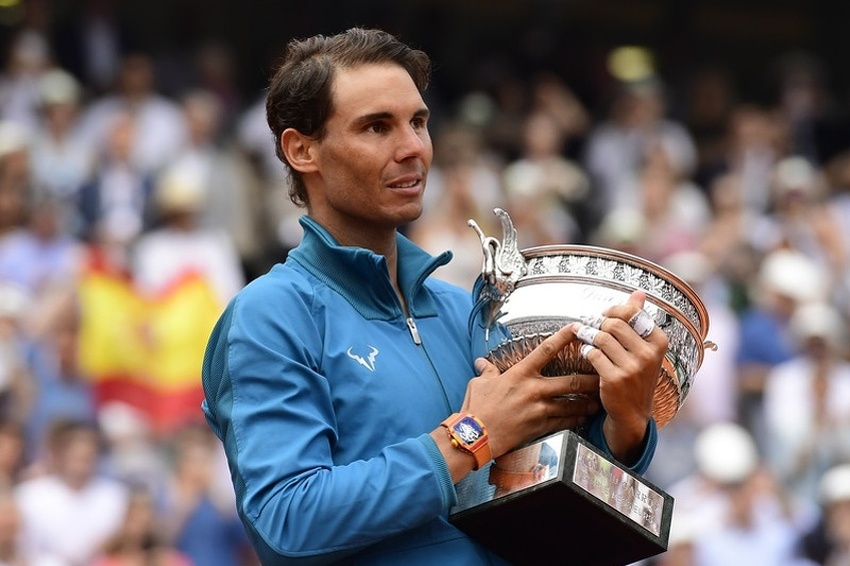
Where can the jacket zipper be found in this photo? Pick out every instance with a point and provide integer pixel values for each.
(414, 332)
(417, 339)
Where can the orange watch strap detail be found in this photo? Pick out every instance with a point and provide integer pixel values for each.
(478, 447)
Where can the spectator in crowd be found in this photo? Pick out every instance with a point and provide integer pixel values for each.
(807, 401)
(61, 391)
(62, 162)
(70, 510)
(180, 245)
(616, 146)
(35, 252)
(800, 220)
(28, 60)
(201, 509)
(741, 513)
(755, 141)
(116, 205)
(232, 191)
(728, 240)
(12, 552)
(39, 255)
(160, 127)
(133, 453)
(786, 279)
(545, 191)
(712, 397)
(828, 542)
(676, 212)
(140, 540)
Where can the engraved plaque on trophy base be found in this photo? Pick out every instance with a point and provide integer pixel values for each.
(561, 501)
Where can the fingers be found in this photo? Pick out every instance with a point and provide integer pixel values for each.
(584, 386)
(629, 323)
(571, 409)
(637, 299)
(548, 349)
(586, 334)
(642, 323)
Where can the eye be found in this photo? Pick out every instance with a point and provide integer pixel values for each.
(377, 128)
(419, 122)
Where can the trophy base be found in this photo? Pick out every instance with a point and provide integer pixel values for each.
(561, 501)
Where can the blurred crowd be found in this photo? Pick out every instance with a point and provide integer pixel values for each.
(108, 183)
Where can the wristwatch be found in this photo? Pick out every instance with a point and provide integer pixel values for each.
(467, 433)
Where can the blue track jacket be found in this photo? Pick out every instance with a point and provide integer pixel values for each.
(323, 394)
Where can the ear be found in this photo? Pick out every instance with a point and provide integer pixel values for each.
(298, 150)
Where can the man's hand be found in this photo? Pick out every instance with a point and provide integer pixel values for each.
(520, 404)
(628, 367)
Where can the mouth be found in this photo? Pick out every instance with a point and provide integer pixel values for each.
(407, 183)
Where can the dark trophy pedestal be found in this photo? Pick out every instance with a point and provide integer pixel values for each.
(561, 501)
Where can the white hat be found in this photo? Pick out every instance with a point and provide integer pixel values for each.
(13, 138)
(818, 320)
(621, 226)
(181, 188)
(834, 484)
(795, 174)
(692, 266)
(58, 87)
(119, 420)
(726, 453)
(792, 274)
(14, 300)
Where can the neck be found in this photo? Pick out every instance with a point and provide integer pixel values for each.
(379, 240)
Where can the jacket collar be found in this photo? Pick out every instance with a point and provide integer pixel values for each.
(361, 276)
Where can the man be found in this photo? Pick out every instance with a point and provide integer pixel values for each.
(327, 379)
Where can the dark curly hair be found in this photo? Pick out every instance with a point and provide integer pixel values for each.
(300, 90)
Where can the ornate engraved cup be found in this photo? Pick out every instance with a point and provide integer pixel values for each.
(524, 296)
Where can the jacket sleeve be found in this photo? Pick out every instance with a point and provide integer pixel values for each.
(271, 407)
(650, 441)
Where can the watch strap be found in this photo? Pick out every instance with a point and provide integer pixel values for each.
(479, 447)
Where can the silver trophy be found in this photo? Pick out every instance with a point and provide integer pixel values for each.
(525, 296)
(561, 489)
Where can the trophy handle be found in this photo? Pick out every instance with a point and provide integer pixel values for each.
(503, 264)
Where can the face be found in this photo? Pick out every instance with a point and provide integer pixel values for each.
(77, 461)
(367, 176)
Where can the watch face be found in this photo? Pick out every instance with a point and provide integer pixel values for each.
(468, 430)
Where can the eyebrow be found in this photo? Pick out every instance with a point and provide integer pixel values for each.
(376, 116)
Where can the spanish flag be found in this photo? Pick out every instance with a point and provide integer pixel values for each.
(147, 351)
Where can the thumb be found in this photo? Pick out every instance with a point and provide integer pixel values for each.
(482, 366)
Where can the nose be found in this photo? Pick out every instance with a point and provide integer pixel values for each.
(413, 142)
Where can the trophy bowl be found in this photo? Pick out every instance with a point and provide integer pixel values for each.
(525, 296)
